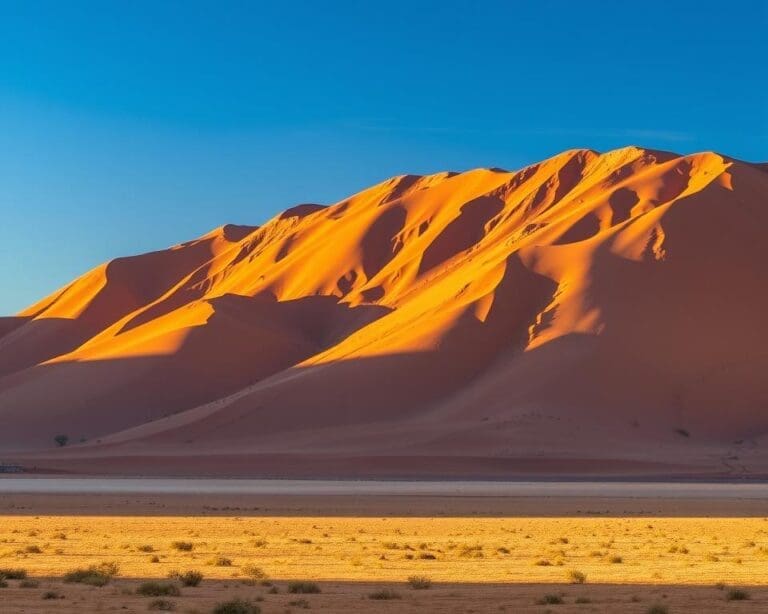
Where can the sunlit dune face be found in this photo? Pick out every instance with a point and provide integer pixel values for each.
(589, 290)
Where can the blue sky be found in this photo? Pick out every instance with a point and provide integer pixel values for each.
(130, 126)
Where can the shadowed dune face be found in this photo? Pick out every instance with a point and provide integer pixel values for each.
(589, 306)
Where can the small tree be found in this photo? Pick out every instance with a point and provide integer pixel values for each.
(61, 440)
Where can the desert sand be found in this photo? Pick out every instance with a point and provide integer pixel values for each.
(592, 314)
(478, 564)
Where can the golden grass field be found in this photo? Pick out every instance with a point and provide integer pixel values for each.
(456, 554)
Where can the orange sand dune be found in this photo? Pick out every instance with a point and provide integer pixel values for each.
(593, 313)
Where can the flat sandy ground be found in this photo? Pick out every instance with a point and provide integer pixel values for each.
(482, 553)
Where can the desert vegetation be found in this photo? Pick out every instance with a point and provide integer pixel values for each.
(250, 560)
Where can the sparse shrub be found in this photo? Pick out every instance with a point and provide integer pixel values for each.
(577, 577)
(736, 594)
(61, 440)
(658, 608)
(303, 587)
(384, 594)
(273, 590)
(220, 561)
(95, 575)
(183, 546)
(154, 559)
(188, 578)
(3, 583)
(52, 595)
(550, 599)
(28, 583)
(162, 605)
(145, 548)
(502, 550)
(33, 550)
(237, 606)
(615, 559)
(158, 589)
(475, 552)
(254, 572)
(582, 600)
(419, 583)
(13, 574)
(299, 603)
(427, 556)
(543, 563)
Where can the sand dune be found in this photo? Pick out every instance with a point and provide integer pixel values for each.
(593, 313)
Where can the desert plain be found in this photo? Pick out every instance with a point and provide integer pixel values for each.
(554, 547)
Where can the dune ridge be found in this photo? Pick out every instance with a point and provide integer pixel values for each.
(592, 313)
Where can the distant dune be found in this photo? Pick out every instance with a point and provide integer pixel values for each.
(593, 314)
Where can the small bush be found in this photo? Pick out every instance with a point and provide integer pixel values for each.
(52, 595)
(384, 594)
(237, 606)
(13, 574)
(162, 605)
(95, 575)
(253, 573)
(615, 559)
(33, 550)
(158, 589)
(183, 546)
(657, 609)
(220, 561)
(303, 587)
(419, 583)
(145, 548)
(61, 440)
(3, 583)
(543, 563)
(300, 603)
(736, 594)
(188, 578)
(581, 600)
(577, 577)
(29, 584)
(427, 556)
(551, 599)
(154, 559)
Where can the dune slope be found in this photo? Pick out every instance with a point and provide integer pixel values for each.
(593, 313)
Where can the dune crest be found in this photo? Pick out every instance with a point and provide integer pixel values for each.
(591, 307)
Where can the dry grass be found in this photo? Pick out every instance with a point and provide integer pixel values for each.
(509, 550)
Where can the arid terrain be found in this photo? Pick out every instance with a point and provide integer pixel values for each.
(593, 314)
(377, 553)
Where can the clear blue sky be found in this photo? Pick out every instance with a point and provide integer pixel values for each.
(130, 126)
